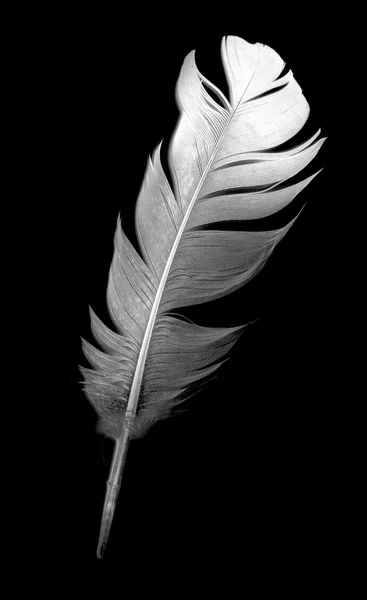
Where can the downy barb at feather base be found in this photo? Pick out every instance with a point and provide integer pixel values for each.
(225, 167)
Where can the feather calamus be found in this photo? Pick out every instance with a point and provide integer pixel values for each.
(225, 166)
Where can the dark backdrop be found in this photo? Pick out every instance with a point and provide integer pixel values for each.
(242, 479)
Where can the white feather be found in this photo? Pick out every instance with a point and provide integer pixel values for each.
(222, 170)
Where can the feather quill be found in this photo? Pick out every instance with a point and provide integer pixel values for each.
(224, 168)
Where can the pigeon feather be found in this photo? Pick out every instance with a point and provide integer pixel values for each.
(224, 167)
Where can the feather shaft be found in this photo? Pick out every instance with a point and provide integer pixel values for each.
(113, 487)
(138, 376)
(114, 482)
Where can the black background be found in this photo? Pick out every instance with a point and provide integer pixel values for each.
(243, 479)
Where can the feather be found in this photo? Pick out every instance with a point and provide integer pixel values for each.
(224, 167)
